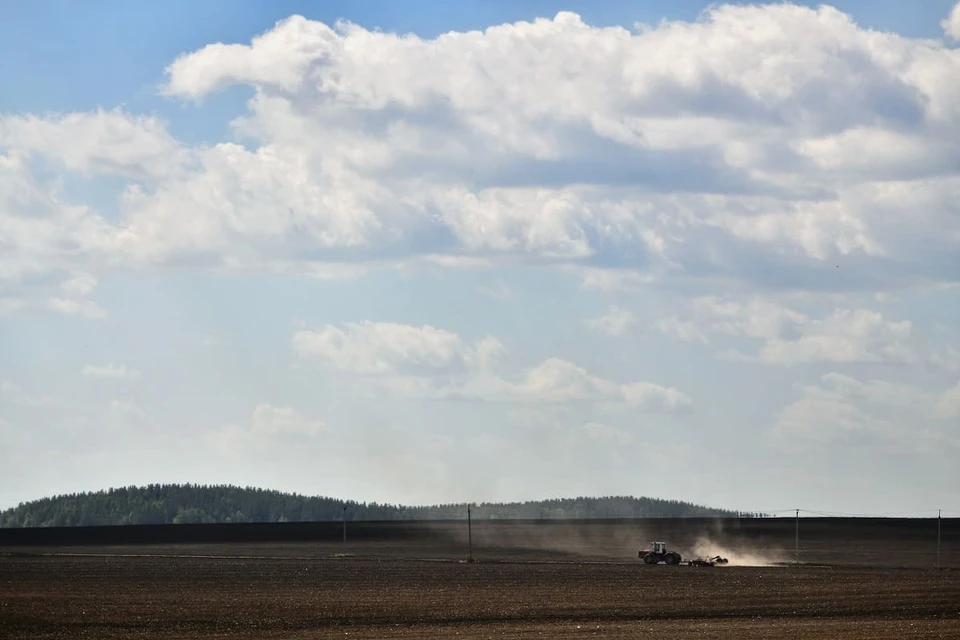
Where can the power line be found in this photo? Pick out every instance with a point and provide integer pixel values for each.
(932, 513)
(889, 514)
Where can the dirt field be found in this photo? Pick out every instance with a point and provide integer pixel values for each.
(529, 581)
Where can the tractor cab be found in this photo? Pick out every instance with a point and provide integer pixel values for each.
(659, 548)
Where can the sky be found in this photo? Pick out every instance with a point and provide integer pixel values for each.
(420, 252)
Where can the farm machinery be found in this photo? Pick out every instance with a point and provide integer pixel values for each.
(657, 553)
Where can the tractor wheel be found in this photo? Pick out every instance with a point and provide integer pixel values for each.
(671, 558)
(649, 559)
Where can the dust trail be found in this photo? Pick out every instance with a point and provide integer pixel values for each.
(575, 539)
(736, 555)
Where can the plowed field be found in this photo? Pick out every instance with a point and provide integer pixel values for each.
(419, 586)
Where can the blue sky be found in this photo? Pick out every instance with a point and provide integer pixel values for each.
(483, 250)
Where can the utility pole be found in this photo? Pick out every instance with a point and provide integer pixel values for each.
(938, 537)
(344, 522)
(469, 535)
(796, 541)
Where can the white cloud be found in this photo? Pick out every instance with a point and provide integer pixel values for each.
(752, 318)
(429, 363)
(65, 306)
(879, 392)
(16, 394)
(846, 335)
(789, 337)
(270, 425)
(104, 142)
(948, 404)
(683, 330)
(80, 284)
(128, 413)
(947, 358)
(616, 322)
(819, 231)
(386, 348)
(212, 341)
(41, 238)
(826, 416)
(9, 306)
(662, 151)
(612, 281)
(951, 24)
(558, 381)
(41, 233)
(844, 409)
(607, 433)
(270, 420)
(111, 370)
(72, 307)
(498, 291)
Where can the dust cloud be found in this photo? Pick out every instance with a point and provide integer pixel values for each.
(736, 555)
(583, 540)
(616, 541)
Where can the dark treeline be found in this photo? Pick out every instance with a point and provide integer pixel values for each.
(189, 503)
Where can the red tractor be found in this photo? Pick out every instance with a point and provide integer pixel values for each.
(658, 553)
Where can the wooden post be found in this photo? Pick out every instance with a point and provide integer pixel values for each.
(469, 535)
(796, 541)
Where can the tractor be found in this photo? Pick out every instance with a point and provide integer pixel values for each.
(658, 553)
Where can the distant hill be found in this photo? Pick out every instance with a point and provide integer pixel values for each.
(189, 503)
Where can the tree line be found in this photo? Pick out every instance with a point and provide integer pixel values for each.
(192, 503)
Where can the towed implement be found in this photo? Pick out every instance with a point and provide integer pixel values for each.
(658, 554)
(707, 562)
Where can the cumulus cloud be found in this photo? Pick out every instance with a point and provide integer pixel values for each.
(846, 335)
(97, 142)
(387, 348)
(16, 394)
(425, 362)
(947, 358)
(683, 330)
(628, 156)
(39, 233)
(948, 404)
(827, 416)
(43, 239)
(10, 305)
(616, 322)
(611, 280)
(951, 24)
(498, 291)
(80, 284)
(269, 425)
(558, 381)
(753, 318)
(128, 413)
(606, 433)
(790, 337)
(72, 307)
(843, 409)
(270, 420)
(614, 100)
(111, 370)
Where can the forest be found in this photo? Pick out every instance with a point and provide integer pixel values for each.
(192, 503)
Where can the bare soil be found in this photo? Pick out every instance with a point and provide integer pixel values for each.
(529, 580)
